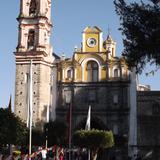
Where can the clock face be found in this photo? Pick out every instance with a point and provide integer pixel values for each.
(91, 42)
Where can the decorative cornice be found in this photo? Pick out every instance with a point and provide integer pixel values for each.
(34, 18)
(36, 60)
(30, 53)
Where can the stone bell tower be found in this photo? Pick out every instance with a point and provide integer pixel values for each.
(34, 44)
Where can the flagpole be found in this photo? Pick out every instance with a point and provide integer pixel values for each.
(70, 129)
(28, 86)
(88, 127)
(47, 120)
(30, 111)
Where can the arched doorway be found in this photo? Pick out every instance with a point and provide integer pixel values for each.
(96, 123)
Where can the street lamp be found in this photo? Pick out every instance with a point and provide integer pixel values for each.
(68, 101)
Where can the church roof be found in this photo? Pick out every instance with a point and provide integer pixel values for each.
(89, 29)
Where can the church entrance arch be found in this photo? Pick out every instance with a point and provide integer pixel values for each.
(96, 123)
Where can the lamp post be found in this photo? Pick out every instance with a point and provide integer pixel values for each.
(47, 120)
(68, 101)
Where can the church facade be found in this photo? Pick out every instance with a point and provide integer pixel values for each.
(93, 76)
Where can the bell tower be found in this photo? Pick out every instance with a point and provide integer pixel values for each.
(34, 45)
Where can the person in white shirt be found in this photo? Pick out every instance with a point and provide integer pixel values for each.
(44, 154)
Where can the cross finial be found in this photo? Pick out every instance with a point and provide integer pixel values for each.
(109, 30)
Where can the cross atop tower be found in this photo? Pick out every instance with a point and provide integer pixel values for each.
(109, 30)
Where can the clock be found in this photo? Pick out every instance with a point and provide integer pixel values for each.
(91, 42)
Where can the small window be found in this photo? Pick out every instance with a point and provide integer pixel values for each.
(51, 89)
(156, 108)
(69, 73)
(33, 8)
(115, 129)
(31, 39)
(116, 73)
(115, 99)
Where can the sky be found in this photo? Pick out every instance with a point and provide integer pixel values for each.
(69, 17)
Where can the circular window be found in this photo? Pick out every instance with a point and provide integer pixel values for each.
(91, 42)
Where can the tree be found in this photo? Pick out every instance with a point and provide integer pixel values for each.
(56, 133)
(12, 129)
(94, 140)
(38, 138)
(140, 25)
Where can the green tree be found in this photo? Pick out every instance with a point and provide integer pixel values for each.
(38, 137)
(56, 133)
(12, 129)
(140, 26)
(93, 140)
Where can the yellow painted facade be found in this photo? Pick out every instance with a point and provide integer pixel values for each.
(97, 51)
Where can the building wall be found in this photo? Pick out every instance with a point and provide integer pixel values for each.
(41, 82)
(148, 123)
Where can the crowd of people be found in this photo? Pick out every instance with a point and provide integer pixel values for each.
(42, 153)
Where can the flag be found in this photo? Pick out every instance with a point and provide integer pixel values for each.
(88, 122)
(88, 126)
(10, 104)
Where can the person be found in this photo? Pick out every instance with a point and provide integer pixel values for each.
(61, 154)
(44, 153)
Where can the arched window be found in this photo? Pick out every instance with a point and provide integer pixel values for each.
(69, 73)
(92, 71)
(33, 7)
(116, 73)
(31, 39)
